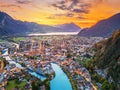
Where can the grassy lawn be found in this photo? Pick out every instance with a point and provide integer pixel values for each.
(17, 39)
(12, 84)
(27, 77)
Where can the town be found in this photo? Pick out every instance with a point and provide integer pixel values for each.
(28, 61)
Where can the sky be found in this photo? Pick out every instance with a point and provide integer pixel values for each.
(84, 13)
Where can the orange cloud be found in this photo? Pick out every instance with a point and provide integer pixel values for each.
(84, 13)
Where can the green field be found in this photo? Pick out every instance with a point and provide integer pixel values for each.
(17, 39)
(12, 84)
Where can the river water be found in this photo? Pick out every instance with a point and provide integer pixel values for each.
(61, 81)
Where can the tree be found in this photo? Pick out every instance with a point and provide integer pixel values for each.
(69, 55)
(106, 85)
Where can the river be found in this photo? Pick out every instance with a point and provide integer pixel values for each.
(61, 81)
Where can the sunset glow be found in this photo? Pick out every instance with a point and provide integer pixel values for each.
(84, 13)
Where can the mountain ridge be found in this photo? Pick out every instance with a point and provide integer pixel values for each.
(9, 26)
(103, 28)
(107, 61)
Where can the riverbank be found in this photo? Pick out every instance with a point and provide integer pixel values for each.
(61, 81)
(73, 83)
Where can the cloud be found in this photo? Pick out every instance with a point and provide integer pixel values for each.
(61, 2)
(74, 2)
(5, 5)
(80, 11)
(23, 1)
(50, 17)
(69, 15)
(59, 14)
(81, 17)
(76, 8)
(73, 6)
(62, 6)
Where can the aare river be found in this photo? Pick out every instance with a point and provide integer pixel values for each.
(61, 81)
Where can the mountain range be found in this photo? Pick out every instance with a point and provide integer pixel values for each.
(12, 27)
(107, 59)
(103, 28)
